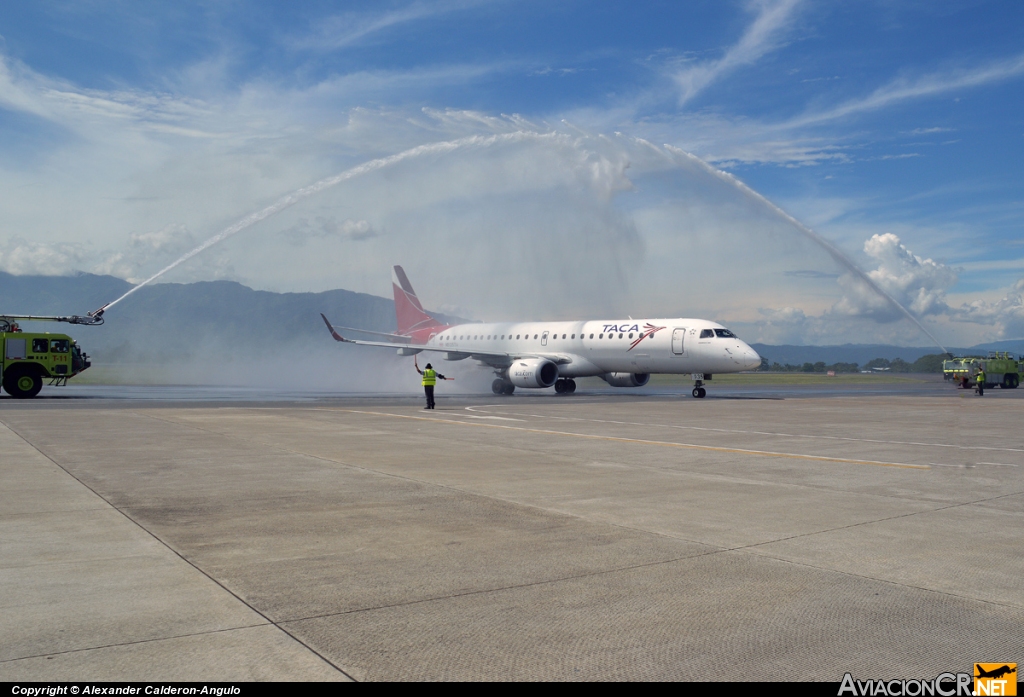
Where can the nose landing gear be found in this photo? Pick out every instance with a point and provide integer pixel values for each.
(698, 390)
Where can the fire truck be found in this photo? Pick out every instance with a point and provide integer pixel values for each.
(1001, 369)
(29, 358)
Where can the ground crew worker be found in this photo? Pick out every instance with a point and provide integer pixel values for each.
(430, 378)
(980, 379)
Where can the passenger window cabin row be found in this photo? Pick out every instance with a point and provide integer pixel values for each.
(704, 334)
(489, 337)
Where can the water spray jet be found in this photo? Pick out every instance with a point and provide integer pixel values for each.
(837, 254)
(305, 192)
(670, 153)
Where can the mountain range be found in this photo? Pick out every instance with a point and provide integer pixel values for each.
(182, 322)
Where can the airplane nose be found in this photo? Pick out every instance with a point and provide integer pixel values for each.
(750, 359)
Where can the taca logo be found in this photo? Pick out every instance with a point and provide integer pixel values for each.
(621, 328)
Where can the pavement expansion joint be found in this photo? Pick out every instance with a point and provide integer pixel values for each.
(751, 548)
(570, 514)
(424, 482)
(151, 640)
(179, 555)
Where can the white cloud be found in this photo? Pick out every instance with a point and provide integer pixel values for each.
(760, 37)
(1006, 314)
(906, 88)
(23, 258)
(918, 284)
(351, 28)
(322, 227)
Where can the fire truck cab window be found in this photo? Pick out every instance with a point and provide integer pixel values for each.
(40, 345)
(59, 345)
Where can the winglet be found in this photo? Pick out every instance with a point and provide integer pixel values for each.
(336, 335)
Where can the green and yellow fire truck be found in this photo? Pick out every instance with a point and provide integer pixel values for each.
(29, 358)
(1001, 369)
(956, 369)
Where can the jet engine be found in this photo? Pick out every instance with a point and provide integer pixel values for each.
(626, 379)
(533, 372)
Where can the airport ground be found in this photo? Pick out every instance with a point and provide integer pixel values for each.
(772, 531)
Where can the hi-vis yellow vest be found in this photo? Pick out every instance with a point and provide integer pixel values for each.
(429, 377)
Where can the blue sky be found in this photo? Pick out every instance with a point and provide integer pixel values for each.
(895, 130)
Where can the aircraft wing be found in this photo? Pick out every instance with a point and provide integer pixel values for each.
(397, 338)
(489, 357)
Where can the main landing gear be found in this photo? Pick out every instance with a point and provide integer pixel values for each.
(500, 386)
(698, 390)
(565, 386)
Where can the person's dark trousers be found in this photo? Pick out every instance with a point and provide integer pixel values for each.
(429, 390)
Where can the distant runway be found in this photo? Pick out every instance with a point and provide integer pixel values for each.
(768, 532)
(592, 389)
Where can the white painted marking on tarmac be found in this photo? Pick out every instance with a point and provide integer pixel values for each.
(998, 464)
(759, 433)
(497, 418)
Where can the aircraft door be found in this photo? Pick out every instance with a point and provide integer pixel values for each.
(678, 335)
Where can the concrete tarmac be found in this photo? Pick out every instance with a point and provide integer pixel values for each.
(751, 535)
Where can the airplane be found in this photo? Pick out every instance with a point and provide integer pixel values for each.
(623, 352)
(995, 673)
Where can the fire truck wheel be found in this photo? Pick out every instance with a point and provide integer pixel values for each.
(22, 384)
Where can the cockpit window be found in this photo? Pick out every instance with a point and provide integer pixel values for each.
(707, 333)
(725, 334)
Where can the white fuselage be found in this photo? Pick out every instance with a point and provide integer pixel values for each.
(598, 347)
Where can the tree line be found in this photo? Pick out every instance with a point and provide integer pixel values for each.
(925, 364)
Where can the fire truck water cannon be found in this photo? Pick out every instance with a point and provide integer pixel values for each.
(27, 358)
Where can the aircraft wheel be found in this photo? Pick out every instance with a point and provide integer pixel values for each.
(572, 386)
(22, 384)
(696, 392)
(703, 393)
(509, 388)
(498, 387)
(559, 386)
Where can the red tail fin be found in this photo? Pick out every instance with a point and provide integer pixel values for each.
(410, 314)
